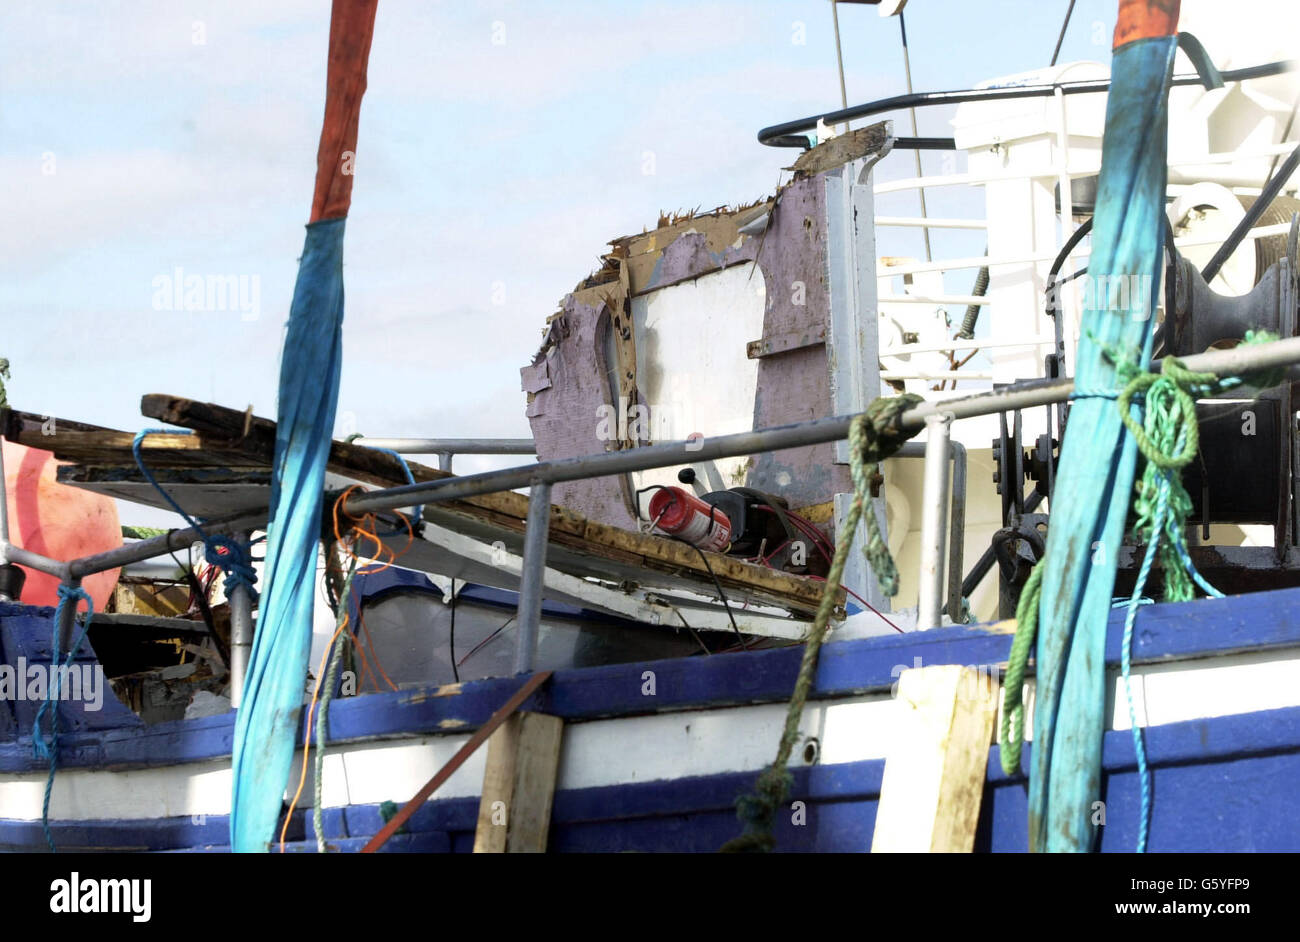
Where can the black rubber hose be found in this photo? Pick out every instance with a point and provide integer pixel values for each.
(972, 317)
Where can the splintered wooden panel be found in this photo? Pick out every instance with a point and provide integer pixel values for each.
(239, 448)
(935, 768)
(514, 813)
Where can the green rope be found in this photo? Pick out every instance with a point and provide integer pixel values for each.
(1168, 437)
(142, 533)
(1013, 684)
(873, 437)
(322, 714)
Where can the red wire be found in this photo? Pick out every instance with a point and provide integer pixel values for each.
(866, 603)
(767, 562)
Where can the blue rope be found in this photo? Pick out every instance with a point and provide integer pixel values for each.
(410, 479)
(1126, 663)
(227, 554)
(1165, 523)
(48, 748)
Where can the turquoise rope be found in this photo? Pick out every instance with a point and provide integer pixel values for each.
(1126, 664)
(49, 748)
(1167, 524)
(230, 556)
(410, 479)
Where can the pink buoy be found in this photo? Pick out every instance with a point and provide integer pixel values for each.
(57, 521)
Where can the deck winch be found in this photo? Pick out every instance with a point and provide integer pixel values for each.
(1245, 472)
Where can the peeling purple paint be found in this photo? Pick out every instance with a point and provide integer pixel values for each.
(564, 415)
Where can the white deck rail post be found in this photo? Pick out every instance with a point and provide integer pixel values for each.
(933, 520)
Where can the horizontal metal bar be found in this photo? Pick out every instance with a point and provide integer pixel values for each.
(907, 349)
(924, 143)
(978, 299)
(160, 545)
(9, 553)
(791, 133)
(1232, 362)
(979, 261)
(930, 222)
(455, 446)
(1083, 167)
(942, 374)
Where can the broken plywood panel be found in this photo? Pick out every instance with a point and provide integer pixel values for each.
(839, 150)
(794, 386)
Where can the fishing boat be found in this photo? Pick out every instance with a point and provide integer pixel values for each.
(727, 547)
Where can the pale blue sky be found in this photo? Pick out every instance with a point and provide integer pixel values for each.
(136, 137)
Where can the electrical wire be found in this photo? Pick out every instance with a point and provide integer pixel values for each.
(698, 639)
(718, 585)
(199, 596)
(474, 650)
(863, 601)
(451, 635)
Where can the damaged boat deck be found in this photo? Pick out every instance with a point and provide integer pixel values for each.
(223, 470)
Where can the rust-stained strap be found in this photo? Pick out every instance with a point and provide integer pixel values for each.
(1145, 19)
(456, 761)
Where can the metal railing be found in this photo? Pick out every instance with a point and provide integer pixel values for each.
(448, 448)
(792, 133)
(540, 477)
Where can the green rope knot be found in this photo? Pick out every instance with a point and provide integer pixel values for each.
(1168, 436)
(757, 811)
(1170, 413)
(873, 437)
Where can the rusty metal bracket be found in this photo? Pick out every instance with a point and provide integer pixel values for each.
(784, 343)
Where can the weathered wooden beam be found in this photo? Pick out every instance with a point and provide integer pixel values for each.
(235, 442)
(506, 509)
(934, 773)
(514, 813)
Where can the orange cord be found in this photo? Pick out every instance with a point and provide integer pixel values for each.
(366, 526)
(306, 745)
(374, 654)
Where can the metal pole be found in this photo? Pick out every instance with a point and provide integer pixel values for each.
(4, 505)
(161, 545)
(67, 619)
(789, 133)
(536, 537)
(935, 509)
(907, 71)
(241, 634)
(1233, 362)
(444, 460)
(839, 55)
(458, 446)
(51, 567)
(957, 531)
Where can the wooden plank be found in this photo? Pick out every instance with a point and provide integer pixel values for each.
(485, 731)
(934, 773)
(514, 814)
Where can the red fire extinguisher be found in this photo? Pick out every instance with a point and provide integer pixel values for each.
(683, 515)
